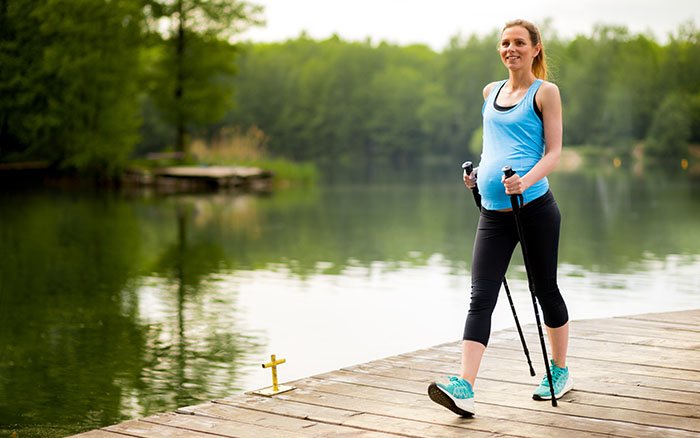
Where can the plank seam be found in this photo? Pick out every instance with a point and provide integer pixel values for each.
(491, 379)
(146, 420)
(328, 422)
(573, 402)
(564, 414)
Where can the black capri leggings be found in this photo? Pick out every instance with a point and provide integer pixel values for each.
(496, 238)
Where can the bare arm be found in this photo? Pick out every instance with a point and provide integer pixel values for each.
(549, 101)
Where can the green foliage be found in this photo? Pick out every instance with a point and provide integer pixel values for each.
(475, 145)
(76, 106)
(93, 75)
(670, 129)
(207, 68)
(21, 102)
(342, 102)
(191, 84)
(85, 83)
(78, 78)
(608, 84)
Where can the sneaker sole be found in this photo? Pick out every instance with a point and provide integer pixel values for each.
(568, 386)
(442, 398)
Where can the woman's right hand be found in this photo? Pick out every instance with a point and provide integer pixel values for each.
(469, 180)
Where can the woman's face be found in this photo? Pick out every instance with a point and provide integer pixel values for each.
(516, 48)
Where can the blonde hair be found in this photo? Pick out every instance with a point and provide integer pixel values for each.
(539, 64)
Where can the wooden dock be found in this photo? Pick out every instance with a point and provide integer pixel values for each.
(201, 178)
(635, 376)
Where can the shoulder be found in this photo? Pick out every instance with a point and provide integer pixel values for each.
(548, 95)
(548, 90)
(488, 88)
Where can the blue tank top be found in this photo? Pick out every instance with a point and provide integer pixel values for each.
(514, 137)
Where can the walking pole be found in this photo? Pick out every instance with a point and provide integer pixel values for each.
(515, 201)
(468, 167)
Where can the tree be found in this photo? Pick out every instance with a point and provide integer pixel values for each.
(629, 103)
(192, 84)
(21, 105)
(670, 129)
(71, 73)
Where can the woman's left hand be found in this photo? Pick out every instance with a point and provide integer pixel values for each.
(513, 185)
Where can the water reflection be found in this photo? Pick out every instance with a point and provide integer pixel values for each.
(98, 324)
(115, 306)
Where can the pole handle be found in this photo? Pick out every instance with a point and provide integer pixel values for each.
(468, 167)
(514, 199)
(508, 171)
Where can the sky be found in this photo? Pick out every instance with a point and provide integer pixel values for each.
(434, 22)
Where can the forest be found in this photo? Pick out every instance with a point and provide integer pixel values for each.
(91, 85)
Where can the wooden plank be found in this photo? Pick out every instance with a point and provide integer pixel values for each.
(424, 410)
(633, 327)
(273, 419)
(597, 373)
(361, 420)
(518, 396)
(517, 372)
(98, 433)
(609, 351)
(288, 427)
(214, 172)
(420, 379)
(684, 362)
(147, 429)
(495, 412)
(633, 337)
(683, 317)
(662, 329)
(636, 376)
(684, 380)
(418, 387)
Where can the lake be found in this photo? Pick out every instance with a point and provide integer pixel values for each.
(119, 305)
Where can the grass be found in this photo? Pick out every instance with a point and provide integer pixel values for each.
(233, 147)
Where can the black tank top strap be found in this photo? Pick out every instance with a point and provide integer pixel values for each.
(534, 105)
(506, 108)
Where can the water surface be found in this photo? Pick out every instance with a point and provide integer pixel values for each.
(116, 306)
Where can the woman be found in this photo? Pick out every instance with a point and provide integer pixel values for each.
(522, 125)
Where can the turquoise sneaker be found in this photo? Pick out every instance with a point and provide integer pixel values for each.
(457, 396)
(561, 380)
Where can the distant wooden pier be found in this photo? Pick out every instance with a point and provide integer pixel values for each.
(636, 376)
(203, 177)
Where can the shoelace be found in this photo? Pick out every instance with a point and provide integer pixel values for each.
(556, 374)
(460, 388)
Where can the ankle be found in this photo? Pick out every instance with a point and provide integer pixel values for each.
(468, 380)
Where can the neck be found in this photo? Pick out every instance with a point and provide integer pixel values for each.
(520, 79)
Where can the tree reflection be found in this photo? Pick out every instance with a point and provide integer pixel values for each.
(87, 336)
(114, 308)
